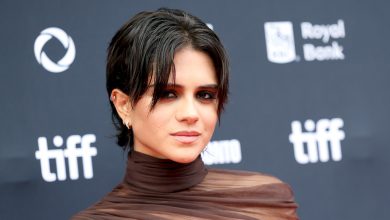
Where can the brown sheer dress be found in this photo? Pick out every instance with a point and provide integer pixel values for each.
(160, 189)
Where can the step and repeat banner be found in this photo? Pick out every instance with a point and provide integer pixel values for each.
(309, 102)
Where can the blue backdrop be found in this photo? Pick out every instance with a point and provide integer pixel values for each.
(309, 102)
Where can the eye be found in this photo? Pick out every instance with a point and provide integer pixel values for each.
(169, 94)
(206, 95)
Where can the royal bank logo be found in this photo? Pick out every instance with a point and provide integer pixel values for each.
(222, 152)
(66, 156)
(318, 142)
(279, 37)
(320, 41)
(43, 59)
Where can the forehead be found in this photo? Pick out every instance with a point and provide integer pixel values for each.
(192, 65)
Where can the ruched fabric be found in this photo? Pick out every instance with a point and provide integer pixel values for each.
(159, 189)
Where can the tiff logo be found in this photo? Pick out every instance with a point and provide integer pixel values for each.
(320, 138)
(72, 153)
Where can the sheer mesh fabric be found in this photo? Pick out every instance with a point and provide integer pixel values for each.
(164, 190)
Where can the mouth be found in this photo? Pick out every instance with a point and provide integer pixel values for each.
(186, 137)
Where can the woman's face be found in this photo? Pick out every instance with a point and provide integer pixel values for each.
(183, 121)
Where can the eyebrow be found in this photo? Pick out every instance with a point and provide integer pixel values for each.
(206, 86)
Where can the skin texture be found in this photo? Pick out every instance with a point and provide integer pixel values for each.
(182, 123)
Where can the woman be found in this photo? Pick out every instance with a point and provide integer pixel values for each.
(167, 79)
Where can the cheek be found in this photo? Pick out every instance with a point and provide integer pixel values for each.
(210, 118)
(158, 118)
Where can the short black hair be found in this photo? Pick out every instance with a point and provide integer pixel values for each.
(143, 49)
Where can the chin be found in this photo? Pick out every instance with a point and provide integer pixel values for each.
(184, 158)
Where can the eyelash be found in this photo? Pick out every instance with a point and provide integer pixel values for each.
(203, 95)
(206, 95)
(167, 94)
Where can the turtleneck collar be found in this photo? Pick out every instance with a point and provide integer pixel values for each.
(150, 174)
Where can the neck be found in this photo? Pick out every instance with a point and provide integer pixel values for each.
(147, 173)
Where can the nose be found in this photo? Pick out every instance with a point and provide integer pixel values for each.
(187, 111)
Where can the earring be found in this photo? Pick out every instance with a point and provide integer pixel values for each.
(127, 124)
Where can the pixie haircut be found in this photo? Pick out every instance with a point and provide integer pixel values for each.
(143, 50)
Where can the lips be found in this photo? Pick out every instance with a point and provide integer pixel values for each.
(186, 137)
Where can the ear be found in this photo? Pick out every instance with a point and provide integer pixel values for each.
(122, 105)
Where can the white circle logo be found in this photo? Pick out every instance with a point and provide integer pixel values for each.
(65, 40)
